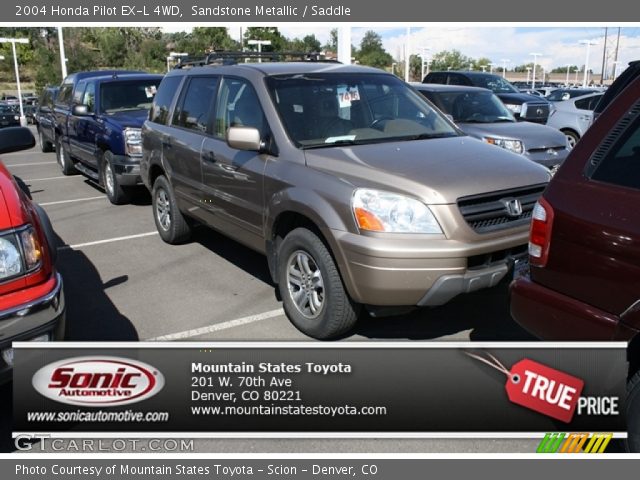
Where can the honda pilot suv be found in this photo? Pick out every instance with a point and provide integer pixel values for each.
(358, 191)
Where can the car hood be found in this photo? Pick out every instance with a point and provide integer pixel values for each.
(12, 211)
(519, 98)
(438, 171)
(129, 118)
(532, 135)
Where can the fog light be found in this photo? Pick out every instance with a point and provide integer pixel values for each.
(7, 353)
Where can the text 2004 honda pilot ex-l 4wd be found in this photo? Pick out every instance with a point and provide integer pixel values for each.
(358, 191)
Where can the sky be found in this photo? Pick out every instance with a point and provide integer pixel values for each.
(559, 46)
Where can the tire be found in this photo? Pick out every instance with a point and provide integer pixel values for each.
(45, 145)
(171, 224)
(116, 193)
(23, 186)
(572, 137)
(64, 160)
(313, 294)
(633, 413)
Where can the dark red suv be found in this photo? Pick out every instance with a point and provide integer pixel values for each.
(584, 248)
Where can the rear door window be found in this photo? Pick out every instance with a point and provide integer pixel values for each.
(621, 165)
(163, 99)
(194, 109)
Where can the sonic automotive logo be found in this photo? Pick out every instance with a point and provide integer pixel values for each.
(98, 381)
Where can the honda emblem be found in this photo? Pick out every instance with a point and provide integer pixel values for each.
(513, 207)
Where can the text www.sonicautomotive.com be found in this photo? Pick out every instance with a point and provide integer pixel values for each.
(98, 416)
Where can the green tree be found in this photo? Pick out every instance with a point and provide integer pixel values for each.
(332, 43)
(372, 52)
(572, 69)
(278, 42)
(450, 60)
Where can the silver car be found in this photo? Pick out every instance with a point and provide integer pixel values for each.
(480, 114)
(573, 117)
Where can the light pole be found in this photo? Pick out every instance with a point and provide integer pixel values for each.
(615, 69)
(504, 67)
(63, 59)
(491, 68)
(484, 68)
(568, 69)
(422, 55)
(173, 56)
(533, 75)
(528, 73)
(259, 43)
(393, 68)
(13, 41)
(588, 43)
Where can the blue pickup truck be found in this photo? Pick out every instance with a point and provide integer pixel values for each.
(98, 116)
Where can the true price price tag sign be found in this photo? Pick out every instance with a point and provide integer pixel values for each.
(539, 387)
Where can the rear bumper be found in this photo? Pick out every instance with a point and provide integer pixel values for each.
(550, 315)
(44, 315)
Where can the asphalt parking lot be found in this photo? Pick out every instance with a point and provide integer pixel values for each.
(122, 282)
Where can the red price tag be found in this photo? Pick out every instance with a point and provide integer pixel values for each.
(538, 387)
(544, 389)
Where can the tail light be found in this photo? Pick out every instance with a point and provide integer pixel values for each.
(540, 233)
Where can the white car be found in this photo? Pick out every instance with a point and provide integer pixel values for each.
(573, 117)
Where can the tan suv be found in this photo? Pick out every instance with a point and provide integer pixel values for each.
(357, 190)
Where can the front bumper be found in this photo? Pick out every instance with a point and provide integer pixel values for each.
(548, 158)
(44, 315)
(551, 315)
(401, 271)
(127, 169)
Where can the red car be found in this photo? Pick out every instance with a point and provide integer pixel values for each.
(584, 247)
(32, 303)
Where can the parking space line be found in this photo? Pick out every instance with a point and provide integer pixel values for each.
(46, 178)
(28, 164)
(218, 326)
(72, 201)
(108, 240)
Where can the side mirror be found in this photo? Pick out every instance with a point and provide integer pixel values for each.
(80, 110)
(14, 139)
(244, 138)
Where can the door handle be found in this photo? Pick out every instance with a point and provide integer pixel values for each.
(210, 157)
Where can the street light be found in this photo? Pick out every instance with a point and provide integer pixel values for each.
(259, 43)
(484, 68)
(422, 55)
(615, 69)
(567, 80)
(491, 68)
(588, 43)
(13, 41)
(533, 76)
(528, 73)
(504, 67)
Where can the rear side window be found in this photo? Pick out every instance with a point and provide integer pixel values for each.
(587, 103)
(164, 97)
(64, 96)
(621, 165)
(194, 110)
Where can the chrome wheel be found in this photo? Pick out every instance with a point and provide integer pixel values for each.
(163, 209)
(62, 156)
(108, 179)
(306, 285)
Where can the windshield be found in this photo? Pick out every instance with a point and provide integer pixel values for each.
(494, 83)
(7, 109)
(132, 95)
(472, 107)
(321, 110)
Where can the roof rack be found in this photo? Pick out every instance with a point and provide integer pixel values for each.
(235, 57)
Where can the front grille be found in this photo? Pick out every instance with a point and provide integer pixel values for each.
(546, 149)
(535, 112)
(498, 210)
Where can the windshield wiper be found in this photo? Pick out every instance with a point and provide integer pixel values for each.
(426, 136)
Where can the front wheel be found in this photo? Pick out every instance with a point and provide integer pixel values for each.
(116, 193)
(572, 137)
(171, 224)
(45, 145)
(312, 291)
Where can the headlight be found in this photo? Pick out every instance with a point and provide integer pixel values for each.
(506, 143)
(378, 211)
(20, 252)
(16, 117)
(513, 108)
(133, 141)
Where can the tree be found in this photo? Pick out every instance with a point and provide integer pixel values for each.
(332, 43)
(572, 69)
(372, 52)
(450, 60)
(308, 44)
(278, 42)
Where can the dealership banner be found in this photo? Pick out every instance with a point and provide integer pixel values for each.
(309, 388)
(277, 11)
(378, 468)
